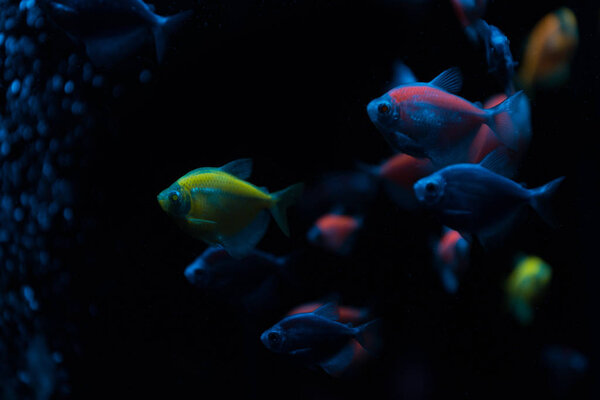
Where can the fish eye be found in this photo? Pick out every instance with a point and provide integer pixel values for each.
(430, 187)
(274, 338)
(384, 108)
(174, 196)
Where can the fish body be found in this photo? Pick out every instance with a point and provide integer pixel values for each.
(112, 29)
(427, 120)
(549, 50)
(451, 258)
(530, 276)
(474, 200)
(398, 174)
(346, 314)
(335, 232)
(216, 270)
(317, 339)
(219, 207)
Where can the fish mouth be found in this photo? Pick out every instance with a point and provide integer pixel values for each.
(163, 201)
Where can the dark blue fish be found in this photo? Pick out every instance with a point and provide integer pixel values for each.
(318, 339)
(473, 199)
(252, 281)
(217, 271)
(112, 30)
(565, 366)
(497, 51)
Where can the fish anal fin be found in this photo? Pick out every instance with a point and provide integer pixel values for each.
(336, 365)
(241, 243)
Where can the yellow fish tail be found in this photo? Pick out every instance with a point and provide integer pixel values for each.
(282, 200)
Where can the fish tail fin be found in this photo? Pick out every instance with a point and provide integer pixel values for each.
(541, 200)
(164, 27)
(501, 123)
(369, 336)
(283, 199)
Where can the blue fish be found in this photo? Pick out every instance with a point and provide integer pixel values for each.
(475, 200)
(112, 30)
(252, 282)
(497, 51)
(317, 339)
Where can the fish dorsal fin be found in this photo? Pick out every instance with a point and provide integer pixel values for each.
(450, 80)
(241, 168)
(497, 161)
(328, 311)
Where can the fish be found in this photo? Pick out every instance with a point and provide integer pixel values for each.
(398, 174)
(216, 270)
(565, 367)
(218, 206)
(427, 120)
(477, 200)
(252, 282)
(113, 30)
(335, 232)
(316, 339)
(469, 11)
(497, 52)
(529, 278)
(549, 50)
(346, 314)
(451, 258)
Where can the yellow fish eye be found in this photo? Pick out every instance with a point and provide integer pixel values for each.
(174, 196)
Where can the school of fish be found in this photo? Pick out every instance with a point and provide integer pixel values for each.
(454, 159)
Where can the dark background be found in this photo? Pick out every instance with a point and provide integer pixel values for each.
(286, 83)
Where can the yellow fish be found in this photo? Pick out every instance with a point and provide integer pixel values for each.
(524, 285)
(549, 50)
(219, 207)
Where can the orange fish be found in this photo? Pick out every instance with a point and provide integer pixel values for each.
(451, 258)
(335, 232)
(549, 50)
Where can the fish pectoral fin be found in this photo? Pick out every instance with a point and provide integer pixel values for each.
(198, 221)
(300, 352)
(337, 364)
(450, 80)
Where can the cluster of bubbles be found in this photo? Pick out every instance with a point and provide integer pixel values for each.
(45, 124)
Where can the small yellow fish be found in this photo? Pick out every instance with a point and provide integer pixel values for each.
(549, 50)
(525, 284)
(219, 207)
